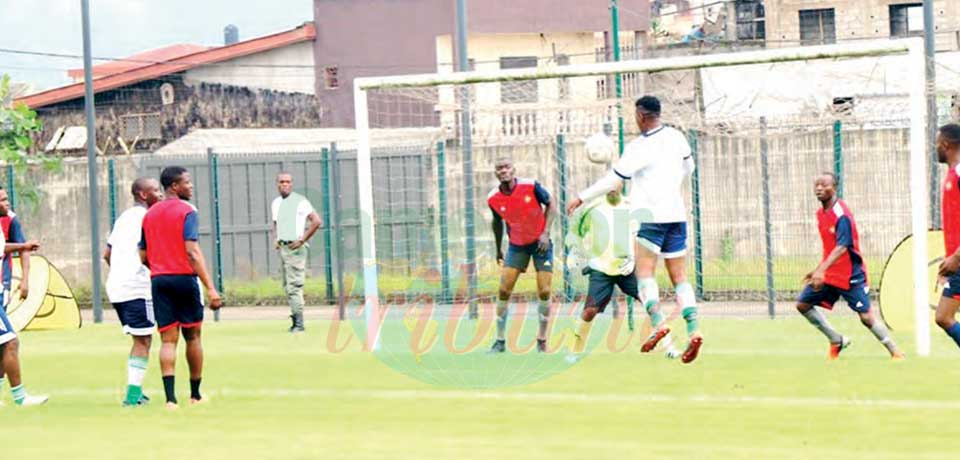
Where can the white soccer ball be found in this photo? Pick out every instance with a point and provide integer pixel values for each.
(600, 148)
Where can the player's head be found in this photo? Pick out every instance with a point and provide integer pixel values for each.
(648, 112)
(176, 180)
(825, 186)
(146, 191)
(284, 183)
(4, 202)
(504, 170)
(948, 142)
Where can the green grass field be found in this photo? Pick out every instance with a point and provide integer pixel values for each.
(761, 390)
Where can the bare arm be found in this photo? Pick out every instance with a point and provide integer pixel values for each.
(10, 248)
(106, 255)
(25, 277)
(551, 212)
(315, 221)
(497, 226)
(199, 265)
(143, 258)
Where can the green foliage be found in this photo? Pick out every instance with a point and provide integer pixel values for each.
(18, 124)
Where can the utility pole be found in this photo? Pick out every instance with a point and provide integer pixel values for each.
(91, 164)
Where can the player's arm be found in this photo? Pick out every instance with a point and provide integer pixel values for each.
(21, 245)
(951, 264)
(10, 248)
(497, 226)
(142, 246)
(191, 233)
(314, 220)
(688, 164)
(631, 162)
(551, 214)
(106, 254)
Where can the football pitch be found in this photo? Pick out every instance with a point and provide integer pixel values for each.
(761, 389)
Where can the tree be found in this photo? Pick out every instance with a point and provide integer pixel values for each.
(18, 125)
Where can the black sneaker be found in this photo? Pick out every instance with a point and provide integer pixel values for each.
(541, 345)
(293, 324)
(499, 346)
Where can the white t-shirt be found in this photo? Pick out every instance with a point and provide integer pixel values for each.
(304, 209)
(655, 163)
(128, 278)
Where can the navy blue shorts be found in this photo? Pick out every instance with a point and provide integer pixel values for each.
(176, 301)
(857, 297)
(951, 288)
(6, 329)
(668, 240)
(519, 257)
(136, 316)
(600, 290)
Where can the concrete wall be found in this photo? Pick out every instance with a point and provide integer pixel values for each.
(390, 37)
(241, 72)
(856, 19)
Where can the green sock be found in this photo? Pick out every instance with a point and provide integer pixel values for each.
(690, 316)
(19, 393)
(656, 317)
(136, 369)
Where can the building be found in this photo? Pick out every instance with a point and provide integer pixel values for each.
(150, 99)
(374, 38)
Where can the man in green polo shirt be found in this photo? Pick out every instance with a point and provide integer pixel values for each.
(291, 212)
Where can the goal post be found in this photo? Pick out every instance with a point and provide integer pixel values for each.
(915, 91)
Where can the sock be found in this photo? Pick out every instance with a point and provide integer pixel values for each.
(19, 393)
(649, 292)
(688, 302)
(195, 389)
(954, 333)
(882, 334)
(656, 317)
(816, 318)
(136, 369)
(502, 310)
(168, 388)
(582, 334)
(543, 312)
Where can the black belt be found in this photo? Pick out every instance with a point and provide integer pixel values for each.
(285, 243)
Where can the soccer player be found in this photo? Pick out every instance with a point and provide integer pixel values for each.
(169, 248)
(841, 272)
(525, 206)
(128, 285)
(948, 151)
(9, 343)
(602, 230)
(291, 212)
(657, 162)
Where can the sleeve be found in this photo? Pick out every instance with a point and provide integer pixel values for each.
(143, 240)
(16, 231)
(191, 227)
(543, 196)
(601, 187)
(683, 147)
(494, 211)
(632, 162)
(275, 208)
(307, 207)
(844, 232)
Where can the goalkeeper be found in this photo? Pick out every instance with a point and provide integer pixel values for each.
(602, 232)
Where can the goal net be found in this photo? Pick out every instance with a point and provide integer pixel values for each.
(762, 126)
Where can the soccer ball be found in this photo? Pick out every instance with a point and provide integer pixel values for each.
(600, 148)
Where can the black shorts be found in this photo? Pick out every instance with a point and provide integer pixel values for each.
(600, 290)
(136, 316)
(176, 301)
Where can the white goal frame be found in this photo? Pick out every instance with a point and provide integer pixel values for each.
(913, 47)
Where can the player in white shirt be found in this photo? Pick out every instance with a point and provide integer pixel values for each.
(128, 284)
(292, 212)
(656, 162)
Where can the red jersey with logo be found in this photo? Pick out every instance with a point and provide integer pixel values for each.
(166, 227)
(951, 210)
(837, 228)
(522, 210)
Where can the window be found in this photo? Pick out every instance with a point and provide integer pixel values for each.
(906, 20)
(817, 27)
(513, 92)
(141, 126)
(331, 77)
(751, 20)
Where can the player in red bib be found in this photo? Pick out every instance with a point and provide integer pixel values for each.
(841, 272)
(525, 206)
(948, 151)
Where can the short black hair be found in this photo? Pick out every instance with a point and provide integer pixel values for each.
(951, 133)
(171, 175)
(138, 185)
(832, 177)
(649, 104)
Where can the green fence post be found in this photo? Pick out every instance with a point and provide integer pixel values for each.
(338, 218)
(838, 155)
(564, 219)
(212, 168)
(327, 224)
(445, 295)
(767, 227)
(11, 187)
(112, 183)
(697, 216)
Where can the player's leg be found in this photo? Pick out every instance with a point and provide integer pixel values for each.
(194, 345)
(858, 298)
(296, 264)
(136, 316)
(514, 263)
(165, 297)
(10, 361)
(543, 263)
(825, 297)
(190, 315)
(599, 293)
(283, 280)
(947, 309)
(647, 250)
(169, 337)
